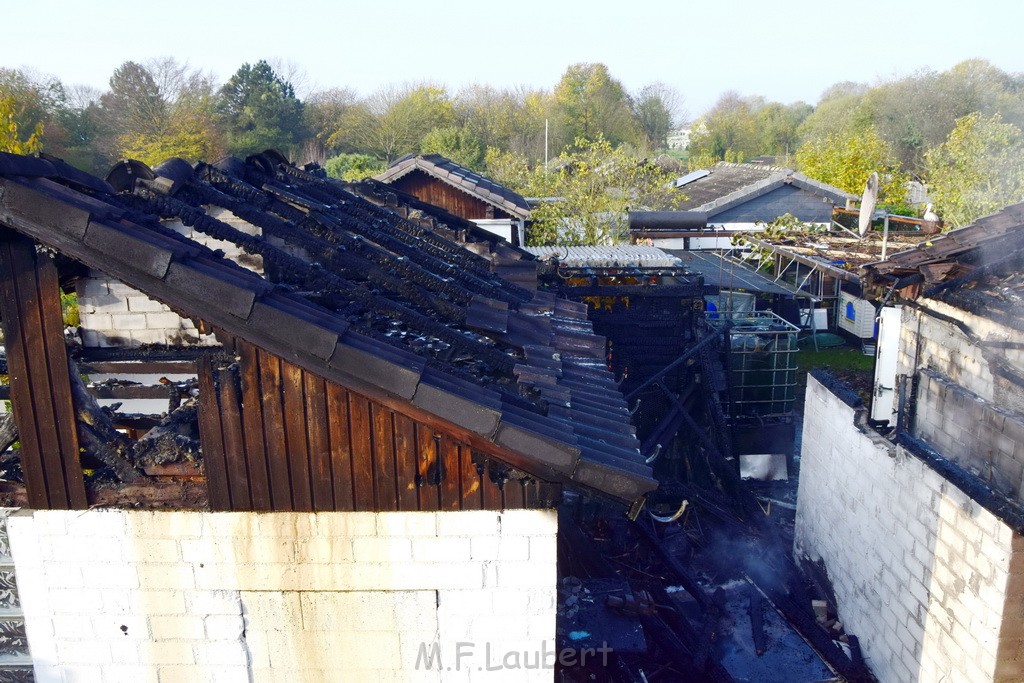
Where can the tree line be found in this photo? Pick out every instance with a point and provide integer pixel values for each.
(958, 131)
(164, 108)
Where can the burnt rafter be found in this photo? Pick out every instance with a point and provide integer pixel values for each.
(362, 218)
(323, 281)
(353, 259)
(320, 235)
(421, 329)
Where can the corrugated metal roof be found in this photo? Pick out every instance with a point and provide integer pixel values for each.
(725, 274)
(632, 255)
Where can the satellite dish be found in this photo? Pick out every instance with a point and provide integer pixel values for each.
(867, 204)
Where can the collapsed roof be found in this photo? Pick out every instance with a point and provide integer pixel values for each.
(977, 268)
(354, 293)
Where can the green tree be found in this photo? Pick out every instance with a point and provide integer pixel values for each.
(354, 166)
(156, 111)
(259, 111)
(729, 129)
(979, 169)
(589, 103)
(511, 120)
(134, 104)
(396, 119)
(456, 144)
(593, 186)
(657, 109)
(75, 130)
(33, 99)
(839, 113)
(846, 161)
(69, 118)
(330, 117)
(777, 126)
(510, 169)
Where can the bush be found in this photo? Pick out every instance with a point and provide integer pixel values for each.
(354, 166)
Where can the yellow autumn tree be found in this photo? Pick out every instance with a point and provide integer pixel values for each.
(10, 137)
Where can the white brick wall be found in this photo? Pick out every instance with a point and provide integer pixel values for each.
(923, 575)
(114, 314)
(119, 595)
(946, 349)
(975, 433)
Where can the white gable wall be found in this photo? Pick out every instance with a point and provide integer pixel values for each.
(123, 595)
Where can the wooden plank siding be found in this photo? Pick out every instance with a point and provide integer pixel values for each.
(324, 447)
(38, 366)
(433, 191)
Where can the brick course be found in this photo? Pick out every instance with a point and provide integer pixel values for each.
(119, 595)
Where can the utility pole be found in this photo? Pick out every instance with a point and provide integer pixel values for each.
(545, 146)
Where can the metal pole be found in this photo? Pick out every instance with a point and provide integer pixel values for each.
(545, 146)
(885, 235)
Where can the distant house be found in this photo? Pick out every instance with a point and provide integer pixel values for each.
(679, 138)
(736, 197)
(437, 180)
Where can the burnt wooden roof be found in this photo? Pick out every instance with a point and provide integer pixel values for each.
(382, 305)
(447, 171)
(978, 268)
(507, 260)
(726, 185)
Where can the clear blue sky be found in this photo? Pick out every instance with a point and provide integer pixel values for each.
(786, 51)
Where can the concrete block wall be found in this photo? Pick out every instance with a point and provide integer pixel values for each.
(927, 342)
(116, 315)
(973, 432)
(120, 595)
(926, 578)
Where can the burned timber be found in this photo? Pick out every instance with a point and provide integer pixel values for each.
(317, 346)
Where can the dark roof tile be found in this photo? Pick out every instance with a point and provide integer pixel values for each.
(465, 412)
(146, 253)
(727, 184)
(373, 369)
(387, 307)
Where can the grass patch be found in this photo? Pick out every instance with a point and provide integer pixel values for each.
(847, 363)
(835, 358)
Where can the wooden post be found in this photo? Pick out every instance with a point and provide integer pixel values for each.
(38, 367)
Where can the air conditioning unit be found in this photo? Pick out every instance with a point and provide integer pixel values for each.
(856, 316)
